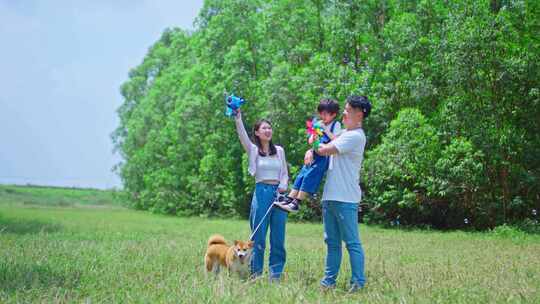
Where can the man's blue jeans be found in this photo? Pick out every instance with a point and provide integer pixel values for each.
(263, 198)
(340, 221)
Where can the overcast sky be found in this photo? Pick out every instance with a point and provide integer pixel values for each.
(61, 66)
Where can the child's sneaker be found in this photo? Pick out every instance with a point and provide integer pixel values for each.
(290, 207)
(282, 199)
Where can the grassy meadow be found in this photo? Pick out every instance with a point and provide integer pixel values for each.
(81, 246)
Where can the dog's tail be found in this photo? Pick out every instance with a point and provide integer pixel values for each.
(216, 239)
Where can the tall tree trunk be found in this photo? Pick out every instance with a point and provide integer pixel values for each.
(495, 6)
(505, 189)
(318, 4)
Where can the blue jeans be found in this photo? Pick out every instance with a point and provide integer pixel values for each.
(276, 219)
(340, 221)
(310, 176)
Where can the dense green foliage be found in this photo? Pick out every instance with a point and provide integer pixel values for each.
(453, 139)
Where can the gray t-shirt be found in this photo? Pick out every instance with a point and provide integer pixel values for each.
(343, 179)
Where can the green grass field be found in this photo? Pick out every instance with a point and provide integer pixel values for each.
(68, 245)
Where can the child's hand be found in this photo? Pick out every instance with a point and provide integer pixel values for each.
(308, 157)
(313, 138)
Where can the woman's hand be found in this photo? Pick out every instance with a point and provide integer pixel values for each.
(238, 115)
(308, 157)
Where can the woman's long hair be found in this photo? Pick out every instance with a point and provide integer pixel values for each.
(257, 140)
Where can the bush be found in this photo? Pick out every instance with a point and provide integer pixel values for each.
(413, 177)
(398, 170)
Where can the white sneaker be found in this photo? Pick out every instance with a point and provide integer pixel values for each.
(281, 199)
(290, 207)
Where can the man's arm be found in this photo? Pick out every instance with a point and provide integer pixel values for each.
(327, 149)
(344, 143)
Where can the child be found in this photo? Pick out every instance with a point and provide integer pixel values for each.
(310, 176)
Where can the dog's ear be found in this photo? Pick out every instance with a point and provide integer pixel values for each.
(236, 242)
(250, 244)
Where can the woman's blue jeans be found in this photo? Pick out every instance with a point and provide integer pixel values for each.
(340, 220)
(276, 219)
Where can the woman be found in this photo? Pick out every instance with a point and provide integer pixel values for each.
(267, 164)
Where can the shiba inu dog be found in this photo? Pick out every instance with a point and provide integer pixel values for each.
(235, 258)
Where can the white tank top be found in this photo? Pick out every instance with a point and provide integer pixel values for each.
(268, 168)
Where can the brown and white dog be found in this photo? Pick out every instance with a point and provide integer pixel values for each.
(235, 258)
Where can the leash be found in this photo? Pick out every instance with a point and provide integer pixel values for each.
(257, 228)
(262, 219)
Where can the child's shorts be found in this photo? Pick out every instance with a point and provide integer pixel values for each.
(310, 177)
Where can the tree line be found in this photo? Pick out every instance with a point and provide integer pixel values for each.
(453, 138)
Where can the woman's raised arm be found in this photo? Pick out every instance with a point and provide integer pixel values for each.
(241, 130)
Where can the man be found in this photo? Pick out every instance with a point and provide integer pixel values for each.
(342, 194)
